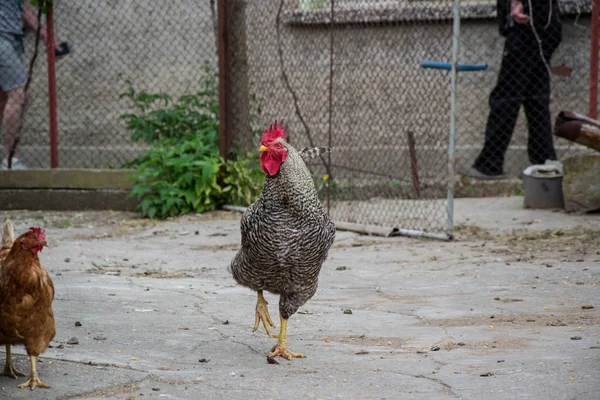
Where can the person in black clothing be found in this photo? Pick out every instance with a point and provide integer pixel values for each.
(524, 79)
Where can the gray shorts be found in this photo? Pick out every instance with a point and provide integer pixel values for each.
(12, 66)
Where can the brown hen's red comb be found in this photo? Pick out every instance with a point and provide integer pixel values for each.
(275, 131)
(39, 232)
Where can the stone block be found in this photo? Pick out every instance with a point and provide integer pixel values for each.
(581, 182)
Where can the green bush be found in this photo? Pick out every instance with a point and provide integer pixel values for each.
(181, 171)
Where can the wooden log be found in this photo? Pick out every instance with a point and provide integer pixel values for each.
(578, 128)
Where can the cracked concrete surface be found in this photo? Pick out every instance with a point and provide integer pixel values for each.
(496, 314)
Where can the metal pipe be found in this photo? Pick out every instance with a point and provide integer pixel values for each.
(52, 86)
(222, 52)
(452, 133)
(331, 48)
(235, 208)
(448, 66)
(368, 229)
(593, 105)
(420, 234)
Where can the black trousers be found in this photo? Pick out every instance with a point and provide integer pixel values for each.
(523, 80)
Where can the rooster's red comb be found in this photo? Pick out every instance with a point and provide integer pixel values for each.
(39, 232)
(275, 131)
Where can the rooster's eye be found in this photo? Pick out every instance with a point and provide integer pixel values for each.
(278, 145)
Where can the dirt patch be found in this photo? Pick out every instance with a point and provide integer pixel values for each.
(522, 320)
(504, 344)
(229, 246)
(113, 391)
(131, 270)
(366, 341)
(468, 233)
(101, 224)
(565, 245)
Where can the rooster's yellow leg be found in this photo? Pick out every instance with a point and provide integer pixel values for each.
(9, 369)
(34, 380)
(280, 349)
(262, 314)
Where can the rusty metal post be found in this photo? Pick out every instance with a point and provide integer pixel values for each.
(594, 54)
(222, 50)
(593, 106)
(52, 86)
(329, 139)
(238, 97)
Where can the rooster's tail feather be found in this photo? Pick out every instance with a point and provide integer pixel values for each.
(8, 235)
(308, 154)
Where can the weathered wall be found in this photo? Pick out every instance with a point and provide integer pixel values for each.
(159, 46)
(379, 91)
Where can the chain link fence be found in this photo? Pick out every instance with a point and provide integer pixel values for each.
(341, 73)
(354, 82)
(158, 47)
(539, 63)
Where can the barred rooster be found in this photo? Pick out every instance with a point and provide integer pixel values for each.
(286, 235)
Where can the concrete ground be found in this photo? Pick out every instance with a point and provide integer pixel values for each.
(145, 309)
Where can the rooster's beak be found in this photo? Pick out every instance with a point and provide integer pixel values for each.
(44, 244)
(263, 149)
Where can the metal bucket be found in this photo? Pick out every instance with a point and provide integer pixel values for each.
(543, 186)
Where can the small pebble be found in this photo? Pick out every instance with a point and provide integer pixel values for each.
(77, 323)
(203, 360)
(73, 340)
(232, 374)
(67, 259)
(347, 311)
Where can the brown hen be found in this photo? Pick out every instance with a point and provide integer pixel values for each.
(26, 294)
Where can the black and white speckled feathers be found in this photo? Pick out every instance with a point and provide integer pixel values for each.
(286, 235)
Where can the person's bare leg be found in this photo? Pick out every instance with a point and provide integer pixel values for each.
(3, 98)
(15, 100)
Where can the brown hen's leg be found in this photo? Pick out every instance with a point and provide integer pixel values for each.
(9, 370)
(280, 349)
(262, 314)
(34, 380)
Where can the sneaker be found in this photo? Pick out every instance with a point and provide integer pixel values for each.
(477, 174)
(17, 163)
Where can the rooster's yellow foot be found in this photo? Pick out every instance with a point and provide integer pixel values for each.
(34, 382)
(10, 371)
(262, 314)
(284, 352)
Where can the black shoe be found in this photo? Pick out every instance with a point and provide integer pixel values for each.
(476, 174)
